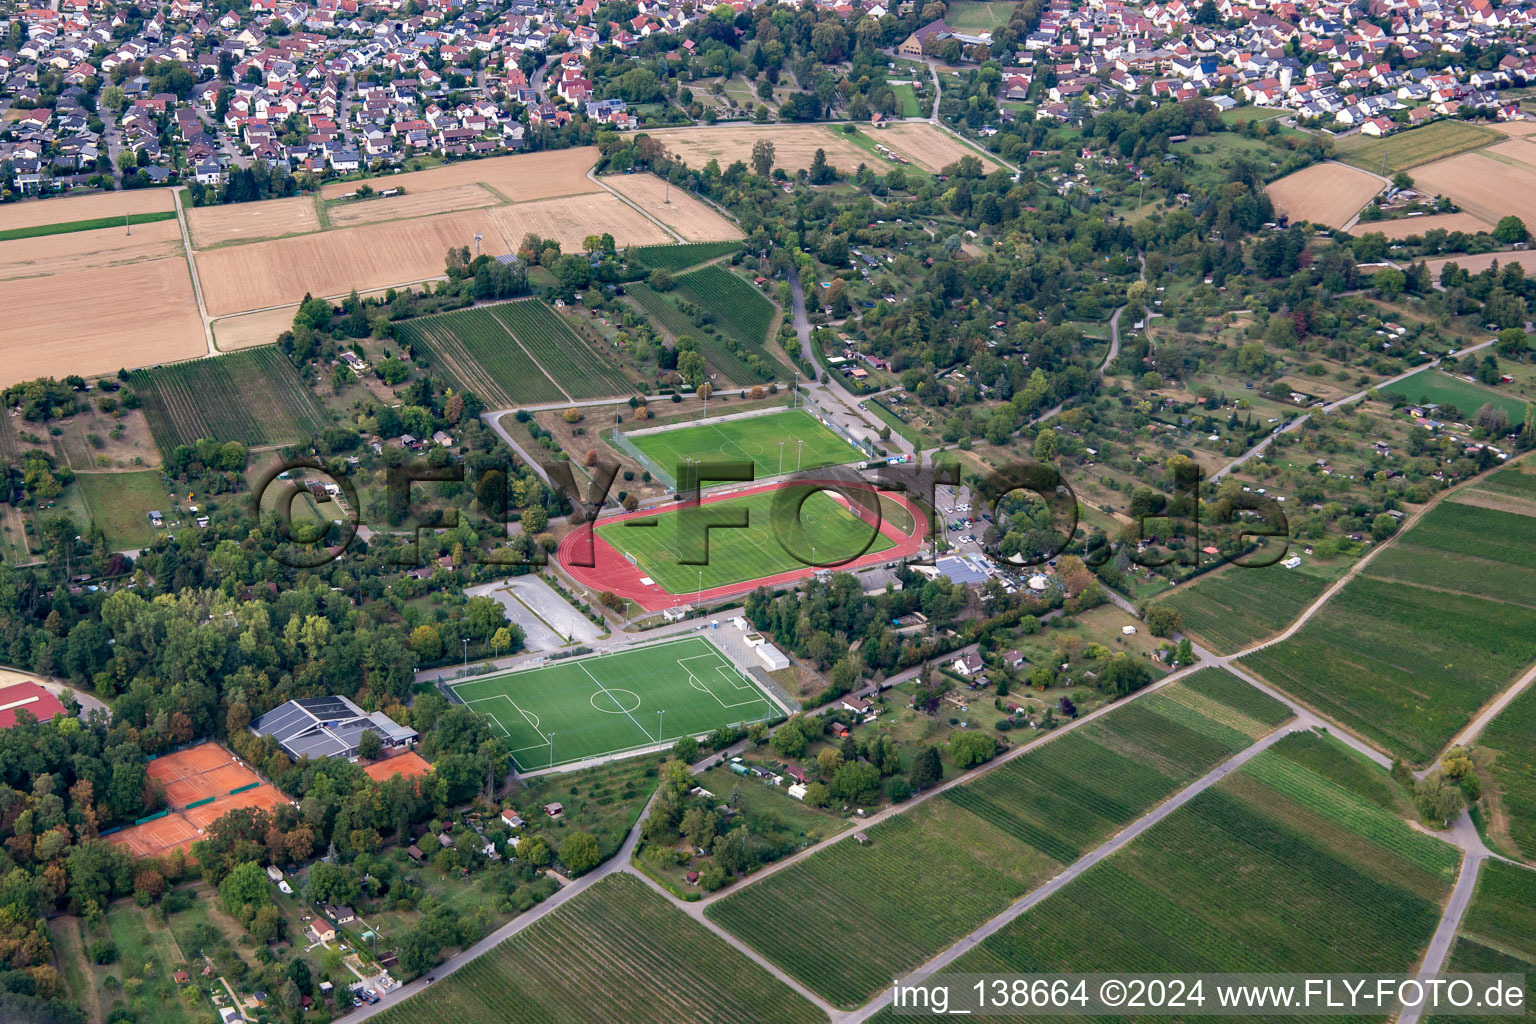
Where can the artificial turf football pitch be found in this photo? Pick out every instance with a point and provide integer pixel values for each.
(772, 542)
(579, 708)
(807, 444)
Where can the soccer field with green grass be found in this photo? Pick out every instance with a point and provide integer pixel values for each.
(827, 534)
(806, 443)
(588, 707)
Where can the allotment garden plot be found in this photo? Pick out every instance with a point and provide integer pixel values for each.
(590, 707)
(795, 434)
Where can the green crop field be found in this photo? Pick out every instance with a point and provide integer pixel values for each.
(906, 98)
(1434, 387)
(826, 533)
(255, 397)
(673, 320)
(479, 355)
(719, 353)
(120, 504)
(1406, 149)
(738, 308)
(1276, 868)
(1512, 736)
(1232, 608)
(806, 443)
(1498, 933)
(1404, 665)
(574, 709)
(617, 946)
(71, 226)
(576, 366)
(680, 257)
(1469, 549)
(963, 857)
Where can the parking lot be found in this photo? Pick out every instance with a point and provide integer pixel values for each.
(548, 620)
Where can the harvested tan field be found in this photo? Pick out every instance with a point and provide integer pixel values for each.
(928, 147)
(1515, 127)
(793, 145)
(573, 218)
(692, 218)
(561, 172)
(84, 250)
(1483, 186)
(240, 278)
(248, 277)
(248, 330)
(1418, 225)
(1326, 193)
(236, 222)
(34, 212)
(1521, 151)
(1477, 264)
(96, 321)
(412, 204)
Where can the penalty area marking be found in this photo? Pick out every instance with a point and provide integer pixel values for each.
(735, 683)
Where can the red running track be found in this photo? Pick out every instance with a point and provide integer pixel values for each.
(611, 571)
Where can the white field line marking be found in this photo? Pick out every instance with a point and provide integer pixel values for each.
(616, 704)
(699, 683)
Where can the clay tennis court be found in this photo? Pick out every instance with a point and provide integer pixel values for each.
(204, 775)
(199, 772)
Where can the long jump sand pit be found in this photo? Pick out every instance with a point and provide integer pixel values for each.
(522, 176)
(929, 148)
(1406, 226)
(1326, 193)
(793, 145)
(1484, 186)
(412, 204)
(98, 320)
(241, 222)
(691, 218)
(85, 250)
(35, 212)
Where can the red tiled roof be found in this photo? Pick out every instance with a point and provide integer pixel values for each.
(30, 697)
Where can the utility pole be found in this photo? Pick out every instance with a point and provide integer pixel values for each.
(781, 458)
(478, 236)
(698, 599)
(659, 715)
(466, 655)
(799, 451)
